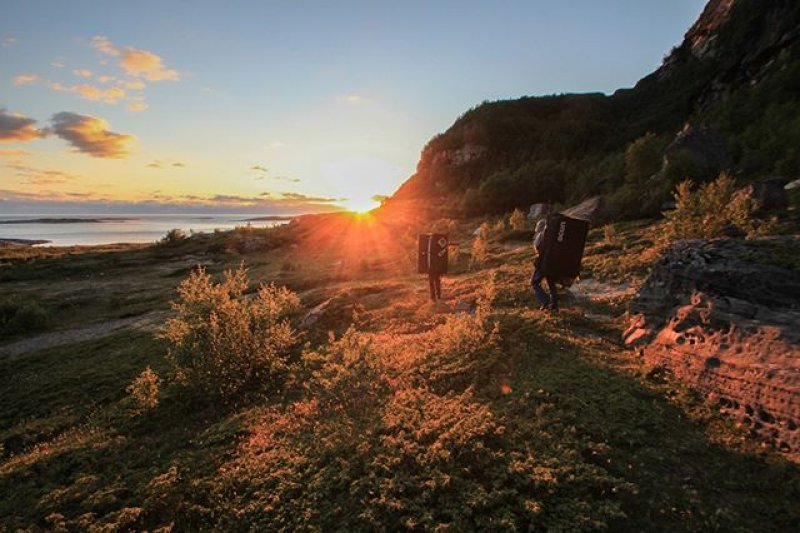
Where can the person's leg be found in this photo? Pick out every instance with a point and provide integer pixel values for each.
(432, 285)
(536, 284)
(438, 283)
(551, 285)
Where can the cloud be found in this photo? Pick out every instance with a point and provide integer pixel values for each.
(54, 201)
(90, 135)
(134, 85)
(35, 176)
(137, 106)
(135, 62)
(112, 95)
(258, 168)
(8, 41)
(57, 64)
(298, 198)
(102, 44)
(82, 72)
(353, 98)
(141, 63)
(106, 79)
(16, 128)
(161, 164)
(13, 153)
(26, 79)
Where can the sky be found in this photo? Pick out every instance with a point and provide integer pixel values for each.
(281, 107)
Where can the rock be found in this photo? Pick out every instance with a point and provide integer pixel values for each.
(718, 316)
(591, 210)
(770, 194)
(461, 156)
(538, 211)
(705, 149)
(313, 316)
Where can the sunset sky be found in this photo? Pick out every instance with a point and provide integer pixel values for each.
(281, 106)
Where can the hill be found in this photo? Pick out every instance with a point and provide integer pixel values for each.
(734, 79)
(376, 408)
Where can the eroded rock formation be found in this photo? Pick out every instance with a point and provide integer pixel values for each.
(724, 317)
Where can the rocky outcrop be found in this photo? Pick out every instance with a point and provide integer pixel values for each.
(703, 148)
(724, 317)
(592, 210)
(459, 157)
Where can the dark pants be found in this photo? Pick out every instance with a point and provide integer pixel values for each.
(435, 284)
(550, 300)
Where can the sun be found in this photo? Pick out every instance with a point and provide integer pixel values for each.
(360, 205)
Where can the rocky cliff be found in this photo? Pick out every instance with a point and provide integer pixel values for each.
(724, 317)
(737, 71)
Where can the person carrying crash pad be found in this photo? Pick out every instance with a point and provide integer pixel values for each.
(547, 301)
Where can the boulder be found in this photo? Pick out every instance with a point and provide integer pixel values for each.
(724, 317)
(592, 210)
(770, 194)
(705, 149)
(538, 211)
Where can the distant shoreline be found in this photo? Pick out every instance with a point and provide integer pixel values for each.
(22, 242)
(270, 217)
(64, 220)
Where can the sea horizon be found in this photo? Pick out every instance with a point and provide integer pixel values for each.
(103, 228)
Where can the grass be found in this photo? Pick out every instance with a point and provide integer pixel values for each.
(545, 422)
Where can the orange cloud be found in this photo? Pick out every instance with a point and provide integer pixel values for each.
(13, 153)
(135, 62)
(137, 106)
(26, 79)
(16, 128)
(90, 135)
(89, 92)
(36, 176)
(106, 79)
(104, 45)
(83, 72)
(141, 63)
(135, 85)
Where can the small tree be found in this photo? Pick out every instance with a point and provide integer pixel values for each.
(517, 220)
(227, 345)
(144, 389)
(710, 211)
(479, 250)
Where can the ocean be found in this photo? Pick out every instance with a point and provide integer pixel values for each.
(69, 230)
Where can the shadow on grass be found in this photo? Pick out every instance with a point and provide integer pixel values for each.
(693, 470)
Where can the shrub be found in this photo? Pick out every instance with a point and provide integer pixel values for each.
(144, 389)
(711, 211)
(22, 317)
(229, 346)
(173, 237)
(517, 220)
(479, 251)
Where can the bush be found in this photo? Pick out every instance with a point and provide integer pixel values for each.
(144, 390)
(173, 237)
(517, 220)
(22, 317)
(479, 251)
(713, 210)
(229, 346)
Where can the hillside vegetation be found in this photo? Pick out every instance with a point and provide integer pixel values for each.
(387, 412)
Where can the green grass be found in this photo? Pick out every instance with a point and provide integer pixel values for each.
(549, 424)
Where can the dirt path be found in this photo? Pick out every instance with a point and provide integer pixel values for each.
(88, 333)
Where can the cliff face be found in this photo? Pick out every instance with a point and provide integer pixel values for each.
(571, 146)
